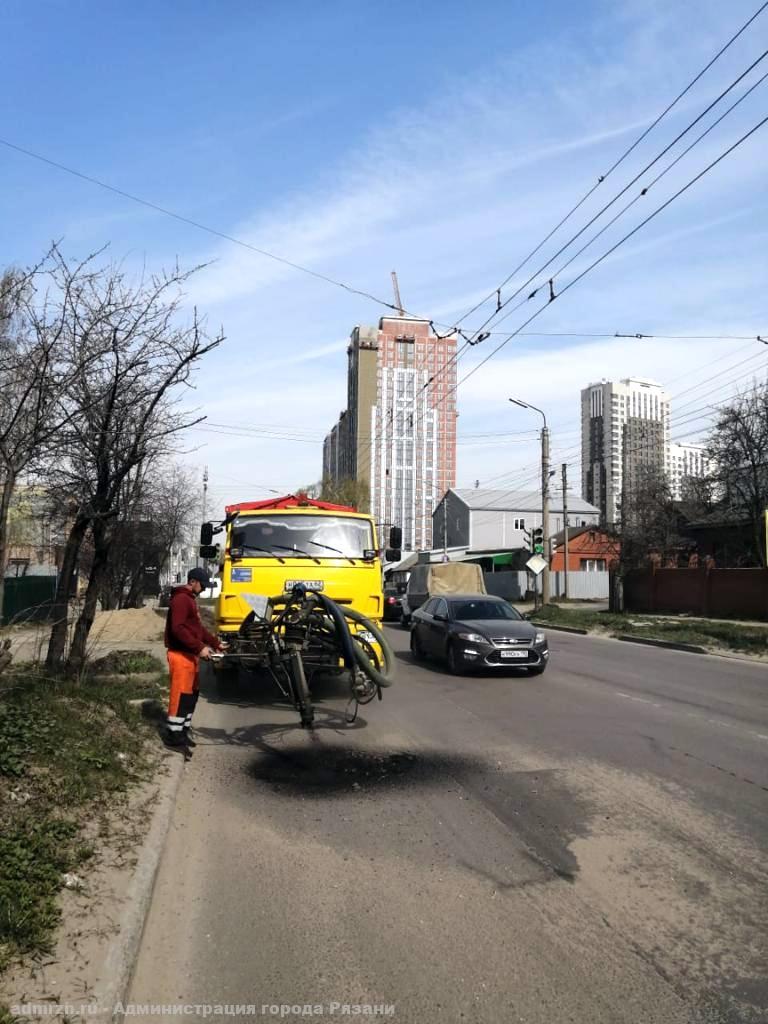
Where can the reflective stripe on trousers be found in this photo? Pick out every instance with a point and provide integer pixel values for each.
(183, 669)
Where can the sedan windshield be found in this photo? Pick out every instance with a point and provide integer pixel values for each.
(468, 610)
(304, 535)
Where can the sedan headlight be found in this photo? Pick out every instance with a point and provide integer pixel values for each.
(541, 638)
(474, 638)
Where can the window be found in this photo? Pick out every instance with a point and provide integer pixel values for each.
(593, 565)
(441, 607)
(519, 524)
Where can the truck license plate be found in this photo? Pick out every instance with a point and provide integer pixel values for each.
(514, 654)
(308, 584)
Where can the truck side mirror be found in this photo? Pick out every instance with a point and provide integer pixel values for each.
(396, 538)
(206, 534)
(393, 554)
(209, 551)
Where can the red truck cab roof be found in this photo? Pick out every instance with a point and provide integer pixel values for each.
(287, 501)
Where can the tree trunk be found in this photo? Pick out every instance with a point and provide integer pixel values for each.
(135, 598)
(78, 650)
(58, 640)
(6, 493)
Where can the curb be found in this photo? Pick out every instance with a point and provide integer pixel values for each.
(119, 961)
(560, 629)
(670, 645)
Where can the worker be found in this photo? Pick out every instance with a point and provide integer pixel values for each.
(187, 641)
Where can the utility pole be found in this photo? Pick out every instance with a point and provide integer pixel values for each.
(545, 510)
(445, 527)
(198, 560)
(544, 497)
(565, 524)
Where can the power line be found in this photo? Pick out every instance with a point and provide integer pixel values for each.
(621, 241)
(205, 227)
(480, 334)
(607, 206)
(496, 292)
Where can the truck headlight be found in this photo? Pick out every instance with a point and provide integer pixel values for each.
(473, 638)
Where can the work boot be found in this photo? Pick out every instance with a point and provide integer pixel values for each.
(188, 737)
(172, 738)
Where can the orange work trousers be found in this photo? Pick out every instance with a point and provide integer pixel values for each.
(184, 674)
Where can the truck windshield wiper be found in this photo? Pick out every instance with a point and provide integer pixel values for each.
(296, 551)
(264, 551)
(328, 547)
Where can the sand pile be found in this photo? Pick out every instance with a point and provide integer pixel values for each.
(127, 624)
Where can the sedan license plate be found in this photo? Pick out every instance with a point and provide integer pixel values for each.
(514, 654)
(307, 584)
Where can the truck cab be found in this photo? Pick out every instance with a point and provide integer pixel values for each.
(271, 546)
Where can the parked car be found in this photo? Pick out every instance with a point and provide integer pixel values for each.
(471, 631)
(430, 580)
(392, 608)
(164, 597)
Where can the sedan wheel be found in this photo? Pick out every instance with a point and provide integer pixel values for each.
(454, 666)
(416, 649)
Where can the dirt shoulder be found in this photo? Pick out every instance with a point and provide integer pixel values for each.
(80, 771)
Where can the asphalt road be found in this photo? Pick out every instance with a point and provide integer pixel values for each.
(588, 846)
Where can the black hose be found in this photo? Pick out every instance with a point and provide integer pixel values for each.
(351, 652)
(380, 678)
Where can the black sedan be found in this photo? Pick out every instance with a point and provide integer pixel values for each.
(472, 631)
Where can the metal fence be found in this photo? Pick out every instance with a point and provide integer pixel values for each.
(582, 586)
(28, 598)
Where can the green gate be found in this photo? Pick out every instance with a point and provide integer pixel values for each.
(28, 598)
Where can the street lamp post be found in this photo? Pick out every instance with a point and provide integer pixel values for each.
(545, 474)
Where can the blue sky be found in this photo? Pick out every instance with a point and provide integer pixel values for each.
(443, 140)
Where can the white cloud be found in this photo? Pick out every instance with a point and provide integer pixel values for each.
(453, 193)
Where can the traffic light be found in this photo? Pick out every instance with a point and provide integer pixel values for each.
(537, 536)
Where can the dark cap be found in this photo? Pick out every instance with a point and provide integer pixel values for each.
(201, 576)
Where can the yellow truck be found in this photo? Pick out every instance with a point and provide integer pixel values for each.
(271, 547)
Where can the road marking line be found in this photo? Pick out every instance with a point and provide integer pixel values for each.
(640, 700)
(693, 714)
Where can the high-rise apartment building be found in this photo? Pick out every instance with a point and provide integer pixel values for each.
(624, 435)
(684, 462)
(398, 432)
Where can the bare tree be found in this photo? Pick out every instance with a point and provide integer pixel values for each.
(649, 521)
(156, 516)
(34, 378)
(129, 356)
(738, 450)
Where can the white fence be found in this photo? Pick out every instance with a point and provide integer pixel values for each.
(582, 586)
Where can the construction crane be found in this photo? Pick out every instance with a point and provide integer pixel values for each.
(398, 300)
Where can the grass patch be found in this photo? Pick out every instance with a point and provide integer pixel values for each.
(68, 749)
(714, 635)
(126, 663)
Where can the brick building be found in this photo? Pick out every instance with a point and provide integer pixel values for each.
(398, 432)
(590, 549)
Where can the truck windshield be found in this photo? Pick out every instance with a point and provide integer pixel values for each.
(269, 536)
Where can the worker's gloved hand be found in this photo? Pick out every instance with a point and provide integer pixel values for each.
(223, 645)
(206, 653)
